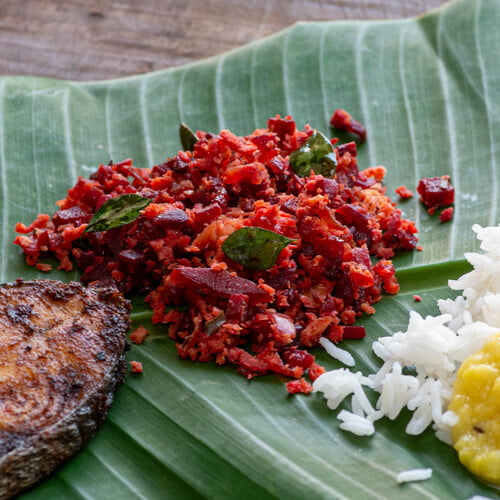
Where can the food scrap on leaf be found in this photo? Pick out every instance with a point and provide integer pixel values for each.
(435, 193)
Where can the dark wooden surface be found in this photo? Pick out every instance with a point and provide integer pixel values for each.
(100, 39)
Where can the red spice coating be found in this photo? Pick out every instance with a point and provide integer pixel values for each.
(257, 320)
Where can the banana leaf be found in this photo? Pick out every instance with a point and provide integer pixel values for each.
(427, 90)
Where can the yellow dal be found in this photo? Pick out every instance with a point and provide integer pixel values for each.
(476, 401)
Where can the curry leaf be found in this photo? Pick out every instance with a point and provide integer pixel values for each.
(188, 137)
(117, 212)
(213, 325)
(315, 154)
(254, 247)
(186, 430)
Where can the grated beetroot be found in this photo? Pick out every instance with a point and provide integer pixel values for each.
(261, 321)
(404, 192)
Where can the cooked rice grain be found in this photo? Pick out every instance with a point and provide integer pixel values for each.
(413, 475)
(339, 354)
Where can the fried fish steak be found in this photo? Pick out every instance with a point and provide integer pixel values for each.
(61, 358)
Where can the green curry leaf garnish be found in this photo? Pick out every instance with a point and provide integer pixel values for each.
(254, 247)
(188, 137)
(315, 154)
(117, 212)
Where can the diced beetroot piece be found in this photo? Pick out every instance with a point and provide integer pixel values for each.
(281, 126)
(131, 257)
(354, 332)
(323, 185)
(248, 365)
(364, 182)
(275, 327)
(344, 288)
(205, 215)
(97, 271)
(217, 282)
(55, 240)
(101, 200)
(446, 214)
(385, 269)
(283, 324)
(349, 147)
(172, 218)
(103, 173)
(122, 164)
(332, 248)
(176, 164)
(361, 256)
(74, 215)
(344, 121)
(436, 191)
(237, 307)
(297, 357)
(353, 215)
(267, 146)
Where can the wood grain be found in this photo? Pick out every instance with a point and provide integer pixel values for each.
(100, 39)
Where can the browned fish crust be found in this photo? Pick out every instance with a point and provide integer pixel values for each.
(61, 357)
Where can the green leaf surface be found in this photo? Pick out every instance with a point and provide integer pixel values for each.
(316, 155)
(117, 212)
(254, 247)
(428, 92)
(187, 137)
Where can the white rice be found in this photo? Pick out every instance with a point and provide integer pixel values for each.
(413, 475)
(420, 364)
(339, 354)
(355, 423)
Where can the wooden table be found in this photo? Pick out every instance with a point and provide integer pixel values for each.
(100, 39)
